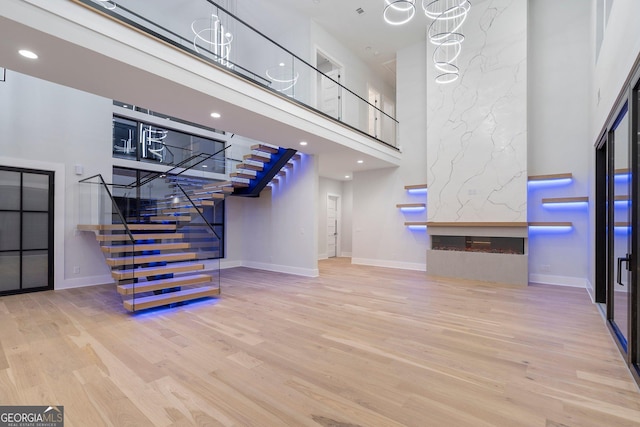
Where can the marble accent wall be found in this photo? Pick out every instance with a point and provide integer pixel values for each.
(477, 125)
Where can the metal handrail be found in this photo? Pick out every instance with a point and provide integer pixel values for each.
(113, 202)
(153, 33)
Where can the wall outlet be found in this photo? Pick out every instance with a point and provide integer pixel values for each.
(76, 269)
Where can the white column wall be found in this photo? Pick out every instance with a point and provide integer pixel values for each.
(52, 127)
(559, 140)
(477, 128)
(379, 234)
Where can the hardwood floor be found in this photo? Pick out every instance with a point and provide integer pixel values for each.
(358, 346)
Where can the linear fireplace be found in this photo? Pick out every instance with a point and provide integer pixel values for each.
(493, 245)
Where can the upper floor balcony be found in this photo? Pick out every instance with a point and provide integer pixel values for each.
(195, 61)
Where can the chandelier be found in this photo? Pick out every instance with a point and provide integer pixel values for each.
(211, 33)
(107, 4)
(399, 12)
(445, 33)
(283, 78)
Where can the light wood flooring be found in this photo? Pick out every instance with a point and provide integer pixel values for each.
(358, 346)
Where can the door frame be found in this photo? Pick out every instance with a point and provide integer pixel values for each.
(341, 74)
(338, 198)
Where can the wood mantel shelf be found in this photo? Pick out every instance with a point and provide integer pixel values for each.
(476, 224)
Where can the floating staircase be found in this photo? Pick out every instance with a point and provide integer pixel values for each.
(156, 258)
(159, 264)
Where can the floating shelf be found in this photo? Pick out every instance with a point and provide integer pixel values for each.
(416, 187)
(476, 224)
(552, 176)
(411, 205)
(581, 199)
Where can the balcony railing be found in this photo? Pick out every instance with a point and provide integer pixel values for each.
(204, 29)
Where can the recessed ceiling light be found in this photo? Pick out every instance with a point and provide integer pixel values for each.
(205, 166)
(303, 142)
(215, 115)
(281, 64)
(360, 161)
(28, 54)
(347, 176)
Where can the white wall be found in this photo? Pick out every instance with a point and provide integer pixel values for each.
(356, 76)
(619, 50)
(559, 139)
(48, 126)
(279, 229)
(347, 219)
(379, 234)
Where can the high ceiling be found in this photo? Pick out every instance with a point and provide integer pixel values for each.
(366, 34)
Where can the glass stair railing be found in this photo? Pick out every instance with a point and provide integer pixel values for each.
(213, 34)
(162, 246)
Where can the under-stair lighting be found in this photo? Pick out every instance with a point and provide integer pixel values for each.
(28, 54)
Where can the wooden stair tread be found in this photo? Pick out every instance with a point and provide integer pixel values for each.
(410, 223)
(147, 236)
(155, 285)
(145, 247)
(264, 148)
(249, 167)
(551, 224)
(180, 211)
(240, 185)
(170, 218)
(257, 157)
(170, 298)
(135, 227)
(145, 259)
(241, 175)
(154, 271)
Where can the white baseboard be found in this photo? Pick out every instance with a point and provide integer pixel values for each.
(82, 282)
(390, 264)
(323, 256)
(230, 263)
(547, 279)
(344, 254)
(307, 272)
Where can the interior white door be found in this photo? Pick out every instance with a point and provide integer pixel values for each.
(375, 121)
(332, 226)
(330, 93)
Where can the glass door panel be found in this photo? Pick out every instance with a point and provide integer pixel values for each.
(622, 181)
(26, 230)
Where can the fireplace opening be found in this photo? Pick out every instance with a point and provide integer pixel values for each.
(494, 245)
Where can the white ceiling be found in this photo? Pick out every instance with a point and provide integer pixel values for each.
(367, 35)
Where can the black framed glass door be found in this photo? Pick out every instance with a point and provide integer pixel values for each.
(26, 230)
(620, 203)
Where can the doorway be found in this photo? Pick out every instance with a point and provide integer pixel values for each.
(333, 226)
(26, 230)
(329, 91)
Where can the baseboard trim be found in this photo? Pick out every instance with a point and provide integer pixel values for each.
(547, 279)
(344, 254)
(82, 282)
(307, 272)
(230, 263)
(390, 264)
(323, 256)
